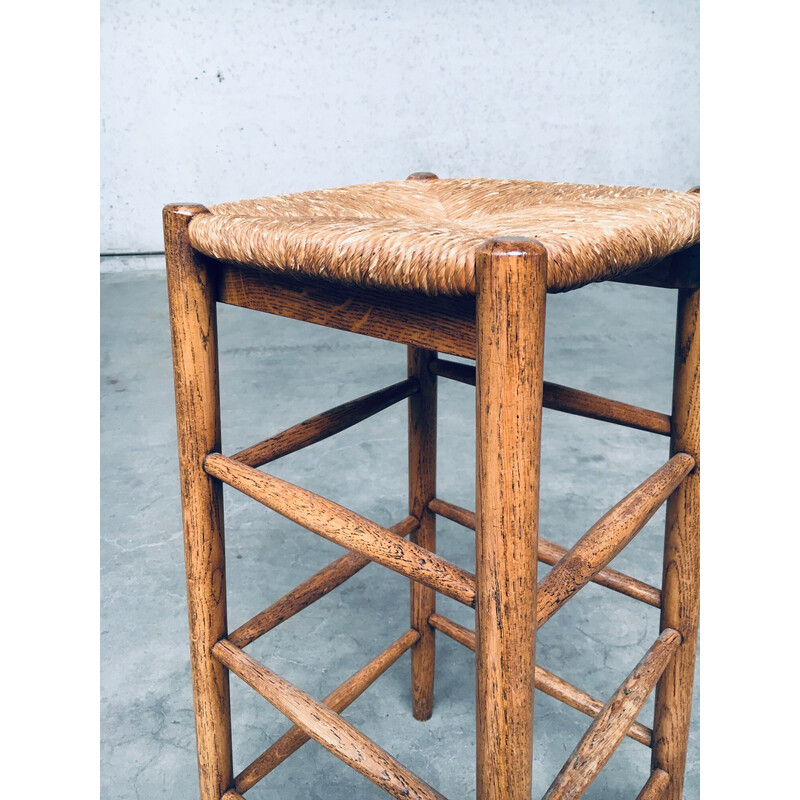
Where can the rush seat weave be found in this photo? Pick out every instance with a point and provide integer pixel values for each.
(423, 235)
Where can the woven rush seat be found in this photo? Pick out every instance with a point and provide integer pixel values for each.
(422, 235)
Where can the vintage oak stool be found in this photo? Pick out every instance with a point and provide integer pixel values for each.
(459, 267)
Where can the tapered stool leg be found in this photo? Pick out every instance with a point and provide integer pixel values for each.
(421, 490)
(510, 345)
(194, 343)
(681, 578)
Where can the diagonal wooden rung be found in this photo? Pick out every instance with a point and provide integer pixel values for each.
(610, 726)
(551, 553)
(545, 681)
(572, 401)
(310, 590)
(608, 537)
(326, 727)
(344, 527)
(326, 424)
(339, 699)
(656, 786)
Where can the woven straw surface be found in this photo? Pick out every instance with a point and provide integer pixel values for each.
(423, 235)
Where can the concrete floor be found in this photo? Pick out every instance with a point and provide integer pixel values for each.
(611, 339)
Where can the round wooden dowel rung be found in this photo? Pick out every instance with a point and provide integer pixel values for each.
(324, 425)
(608, 537)
(610, 726)
(656, 786)
(546, 681)
(339, 699)
(326, 727)
(572, 401)
(345, 527)
(309, 591)
(551, 553)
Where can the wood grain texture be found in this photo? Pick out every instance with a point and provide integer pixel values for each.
(551, 553)
(422, 413)
(572, 401)
(326, 727)
(194, 349)
(609, 536)
(326, 424)
(678, 271)
(309, 591)
(458, 633)
(584, 404)
(656, 786)
(346, 528)
(339, 699)
(446, 324)
(546, 681)
(609, 727)
(681, 574)
(512, 276)
(576, 698)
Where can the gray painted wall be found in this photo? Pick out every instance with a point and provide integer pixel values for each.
(211, 100)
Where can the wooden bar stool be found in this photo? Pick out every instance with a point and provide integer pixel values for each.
(454, 267)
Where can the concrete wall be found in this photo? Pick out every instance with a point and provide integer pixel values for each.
(212, 100)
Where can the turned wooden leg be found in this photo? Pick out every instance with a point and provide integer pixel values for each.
(194, 345)
(511, 276)
(421, 490)
(681, 581)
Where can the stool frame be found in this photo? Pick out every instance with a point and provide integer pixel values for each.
(502, 328)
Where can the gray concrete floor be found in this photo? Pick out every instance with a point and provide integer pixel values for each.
(610, 339)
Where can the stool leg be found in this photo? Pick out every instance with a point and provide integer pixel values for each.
(510, 344)
(421, 490)
(194, 342)
(681, 578)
